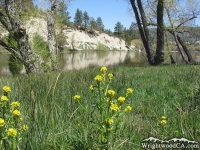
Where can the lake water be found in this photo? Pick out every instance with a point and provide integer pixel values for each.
(86, 59)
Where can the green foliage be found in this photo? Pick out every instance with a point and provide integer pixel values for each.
(86, 19)
(91, 32)
(128, 40)
(110, 110)
(101, 46)
(15, 66)
(78, 17)
(62, 17)
(56, 123)
(133, 31)
(40, 46)
(108, 31)
(28, 9)
(118, 28)
(12, 123)
(99, 23)
(11, 41)
(93, 23)
(61, 40)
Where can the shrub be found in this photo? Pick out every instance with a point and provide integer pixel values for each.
(101, 46)
(15, 66)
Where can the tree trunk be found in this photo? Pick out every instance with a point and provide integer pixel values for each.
(144, 33)
(179, 41)
(160, 33)
(189, 56)
(53, 49)
(179, 49)
(12, 22)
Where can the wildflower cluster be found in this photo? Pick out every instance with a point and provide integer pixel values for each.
(163, 121)
(110, 109)
(12, 124)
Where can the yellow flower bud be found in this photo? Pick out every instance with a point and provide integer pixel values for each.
(111, 93)
(12, 132)
(1, 122)
(128, 108)
(24, 127)
(16, 113)
(77, 97)
(4, 98)
(103, 70)
(6, 89)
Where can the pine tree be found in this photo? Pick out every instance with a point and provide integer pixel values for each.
(100, 25)
(93, 23)
(78, 17)
(118, 28)
(86, 19)
(133, 31)
(62, 14)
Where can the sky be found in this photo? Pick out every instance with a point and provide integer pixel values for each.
(110, 11)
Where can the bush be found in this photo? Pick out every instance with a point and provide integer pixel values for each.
(15, 66)
(40, 46)
(101, 46)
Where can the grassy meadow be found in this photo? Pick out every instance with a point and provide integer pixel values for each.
(56, 122)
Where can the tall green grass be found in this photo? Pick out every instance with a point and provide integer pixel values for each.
(57, 123)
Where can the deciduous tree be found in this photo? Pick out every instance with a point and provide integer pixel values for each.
(178, 19)
(11, 19)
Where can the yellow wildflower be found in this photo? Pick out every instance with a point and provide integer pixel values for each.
(114, 107)
(110, 76)
(163, 117)
(121, 99)
(4, 98)
(77, 97)
(21, 118)
(111, 93)
(103, 70)
(109, 129)
(129, 91)
(1, 122)
(12, 132)
(128, 108)
(6, 89)
(98, 78)
(91, 87)
(110, 121)
(24, 127)
(15, 105)
(16, 113)
(163, 122)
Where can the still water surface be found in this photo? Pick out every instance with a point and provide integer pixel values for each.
(85, 59)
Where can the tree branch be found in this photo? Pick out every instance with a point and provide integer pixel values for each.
(185, 21)
(11, 50)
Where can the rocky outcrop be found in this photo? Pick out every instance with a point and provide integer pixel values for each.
(77, 39)
(80, 40)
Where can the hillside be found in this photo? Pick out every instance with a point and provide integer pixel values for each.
(78, 39)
